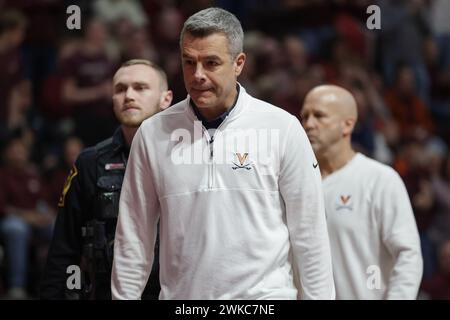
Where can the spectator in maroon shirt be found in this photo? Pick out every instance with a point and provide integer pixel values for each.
(407, 108)
(26, 214)
(14, 87)
(86, 85)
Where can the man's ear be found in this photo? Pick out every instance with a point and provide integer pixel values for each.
(239, 63)
(349, 125)
(166, 99)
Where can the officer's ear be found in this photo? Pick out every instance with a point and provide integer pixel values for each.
(166, 99)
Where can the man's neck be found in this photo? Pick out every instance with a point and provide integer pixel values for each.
(335, 158)
(210, 114)
(128, 134)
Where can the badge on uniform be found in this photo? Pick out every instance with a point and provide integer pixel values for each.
(72, 174)
(114, 166)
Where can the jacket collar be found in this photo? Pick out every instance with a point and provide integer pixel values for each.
(118, 141)
(214, 123)
(230, 115)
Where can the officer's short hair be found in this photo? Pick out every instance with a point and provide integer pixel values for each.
(151, 64)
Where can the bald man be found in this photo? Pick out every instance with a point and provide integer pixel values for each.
(373, 234)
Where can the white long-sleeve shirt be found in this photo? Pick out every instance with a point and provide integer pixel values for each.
(375, 244)
(237, 224)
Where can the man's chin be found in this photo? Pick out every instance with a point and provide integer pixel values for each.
(315, 146)
(131, 123)
(201, 100)
(203, 103)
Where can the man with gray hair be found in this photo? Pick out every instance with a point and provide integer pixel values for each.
(234, 182)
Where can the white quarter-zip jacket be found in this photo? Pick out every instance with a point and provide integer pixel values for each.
(240, 213)
(375, 244)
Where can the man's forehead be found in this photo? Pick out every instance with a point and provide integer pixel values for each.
(328, 97)
(135, 73)
(318, 102)
(321, 99)
(213, 36)
(322, 96)
(213, 44)
(333, 101)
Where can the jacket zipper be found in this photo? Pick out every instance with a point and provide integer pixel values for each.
(211, 165)
(209, 142)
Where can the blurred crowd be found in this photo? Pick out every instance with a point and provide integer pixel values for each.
(55, 96)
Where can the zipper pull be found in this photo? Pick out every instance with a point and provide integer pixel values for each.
(211, 146)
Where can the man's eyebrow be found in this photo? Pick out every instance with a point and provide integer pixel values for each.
(139, 83)
(119, 85)
(210, 57)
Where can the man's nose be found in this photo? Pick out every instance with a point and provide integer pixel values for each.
(129, 93)
(308, 123)
(199, 72)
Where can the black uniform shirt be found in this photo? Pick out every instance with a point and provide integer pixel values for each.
(98, 172)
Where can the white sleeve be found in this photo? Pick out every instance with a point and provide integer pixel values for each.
(400, 236)
(301, 189)
(136, 225)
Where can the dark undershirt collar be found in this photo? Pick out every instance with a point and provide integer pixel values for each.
(214, 123)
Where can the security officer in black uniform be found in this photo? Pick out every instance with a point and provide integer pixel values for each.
(80, 256)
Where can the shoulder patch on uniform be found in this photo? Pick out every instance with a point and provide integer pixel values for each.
(72, 174)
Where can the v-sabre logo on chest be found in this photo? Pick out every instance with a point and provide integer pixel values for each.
(344, 202)
(243, 161)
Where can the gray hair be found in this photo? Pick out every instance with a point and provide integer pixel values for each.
(216, 20)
